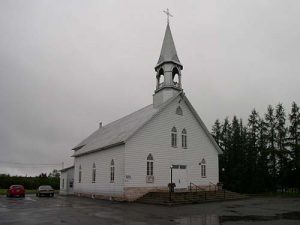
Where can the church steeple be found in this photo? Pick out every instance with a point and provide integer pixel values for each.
(168, 51)
(168, 70)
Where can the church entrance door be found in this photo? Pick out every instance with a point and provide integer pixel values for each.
(180, 176)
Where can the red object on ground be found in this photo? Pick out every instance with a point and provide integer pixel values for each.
(16, 191)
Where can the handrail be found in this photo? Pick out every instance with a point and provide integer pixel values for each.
(196, 187)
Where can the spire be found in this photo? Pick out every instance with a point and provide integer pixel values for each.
(168, 51)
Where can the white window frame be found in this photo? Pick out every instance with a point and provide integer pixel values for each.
(150, 165)
(79, 174)
(112, 171)
(94, 173)
(184, 138)
(174, 137)
(179, 111)
(203, 168)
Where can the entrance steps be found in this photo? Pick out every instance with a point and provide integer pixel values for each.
(163, 198)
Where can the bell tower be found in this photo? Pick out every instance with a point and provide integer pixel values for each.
(168, 70)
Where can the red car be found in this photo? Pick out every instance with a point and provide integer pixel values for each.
(16, 191)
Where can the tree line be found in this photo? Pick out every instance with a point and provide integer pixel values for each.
(31, 182)
(263, 154)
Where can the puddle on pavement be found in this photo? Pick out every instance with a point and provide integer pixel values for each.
(199, 220)
(286, 216)
(218, 220)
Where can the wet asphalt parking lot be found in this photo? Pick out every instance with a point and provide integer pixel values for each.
(74, 210)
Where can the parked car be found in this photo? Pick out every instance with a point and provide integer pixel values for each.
(45, 190)
(16, 191)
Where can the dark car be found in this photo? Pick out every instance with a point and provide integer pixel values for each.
(45, 190)
(16, 191)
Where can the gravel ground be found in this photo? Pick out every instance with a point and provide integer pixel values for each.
(74, 210)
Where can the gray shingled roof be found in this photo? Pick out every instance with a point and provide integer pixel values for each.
(115, 132)
(168, 51)
(119, 131)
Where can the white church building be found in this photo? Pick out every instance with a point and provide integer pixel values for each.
(133, 155)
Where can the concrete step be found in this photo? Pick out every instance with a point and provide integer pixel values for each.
(189, 197)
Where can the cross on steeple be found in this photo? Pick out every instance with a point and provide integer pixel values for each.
(168, 14)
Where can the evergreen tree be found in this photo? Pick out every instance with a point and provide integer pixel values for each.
(216, 131)
(282, 152)
(252, 151)
(258, 157)
(262, 161)
(225, 145)
(236, 157)
(271, 136)
(294, 134)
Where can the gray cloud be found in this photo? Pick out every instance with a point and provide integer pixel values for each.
(67, 65)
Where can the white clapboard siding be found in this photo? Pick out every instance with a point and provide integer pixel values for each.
(155, 138)
(102, 159)
(66, 177)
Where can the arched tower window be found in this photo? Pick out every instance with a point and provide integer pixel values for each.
(184, 139)
(79, 174)
(160, 78)
(174, 137)
(150, 165)
(176, 77)
(112, 171)
(203, 168)
(94, 173)
(179, 111)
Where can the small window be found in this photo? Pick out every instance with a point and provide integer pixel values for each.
(203, 168)
(179, 111)
(174, 137)
(94, 173)
(112, 171)
(150, 165)
(175, 166)
(79, 174)
(63, 183)
(184, 138)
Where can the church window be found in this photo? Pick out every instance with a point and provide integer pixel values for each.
(112, 171)
(150, 165)
(203, 168)
(179, 111)
(174, 137)
(160, 78)
(184, 139)
(79, 174)
(94, 173)
(175, 77)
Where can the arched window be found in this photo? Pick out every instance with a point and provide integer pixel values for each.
(184, 139)
(175, 77)
(79, 174)
(150, 165)
(179, 111)
(94, 173)
(160, 78)
(203, 168)
(112, 171)
(174, 137)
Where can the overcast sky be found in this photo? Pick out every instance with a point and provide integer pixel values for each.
(67, 65)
